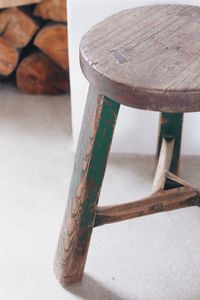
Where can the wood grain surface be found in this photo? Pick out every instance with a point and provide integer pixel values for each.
(147, 57)
(159, 202)
(90, 163)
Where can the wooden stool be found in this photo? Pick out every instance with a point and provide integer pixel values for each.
(147, 58)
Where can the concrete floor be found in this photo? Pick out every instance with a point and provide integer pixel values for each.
(150, 258)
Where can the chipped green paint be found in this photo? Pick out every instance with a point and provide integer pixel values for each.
(90, 163)
(98, 163)
(171, 126)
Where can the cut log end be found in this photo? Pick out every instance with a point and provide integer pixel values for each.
(9, 57)
(37, 74)
(54, 10)
(52, 40)
(11, 3)
(17, 27)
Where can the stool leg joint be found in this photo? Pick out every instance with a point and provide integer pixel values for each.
(169, 192)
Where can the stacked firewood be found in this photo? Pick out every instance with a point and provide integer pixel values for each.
(33, 45)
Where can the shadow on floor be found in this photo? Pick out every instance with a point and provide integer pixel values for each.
(90, 289)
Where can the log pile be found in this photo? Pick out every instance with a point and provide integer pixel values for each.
(33, 45)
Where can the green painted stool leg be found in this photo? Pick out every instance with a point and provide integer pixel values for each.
(90, 163)
(171, 126)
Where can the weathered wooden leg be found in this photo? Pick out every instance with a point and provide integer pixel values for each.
(171, 126)
(90, 163)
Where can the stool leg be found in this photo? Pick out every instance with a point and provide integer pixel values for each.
(90, 163)
(171, 125)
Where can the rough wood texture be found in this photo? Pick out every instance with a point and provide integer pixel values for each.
(147, 57)
(146, 61)
(164, 164)
(52, 10)
(14, 3)
(90, 163)
(16, 27)
(52, 40)
(159, 202)
(169, 192)
(9, 57)
(37, 74)
(171, 126)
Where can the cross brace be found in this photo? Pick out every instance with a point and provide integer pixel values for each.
(169, 192)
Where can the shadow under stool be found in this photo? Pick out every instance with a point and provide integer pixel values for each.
(146, 58)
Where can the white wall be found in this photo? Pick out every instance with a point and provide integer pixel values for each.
(136, 130)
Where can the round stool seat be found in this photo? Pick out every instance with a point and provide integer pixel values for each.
(147, 57)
